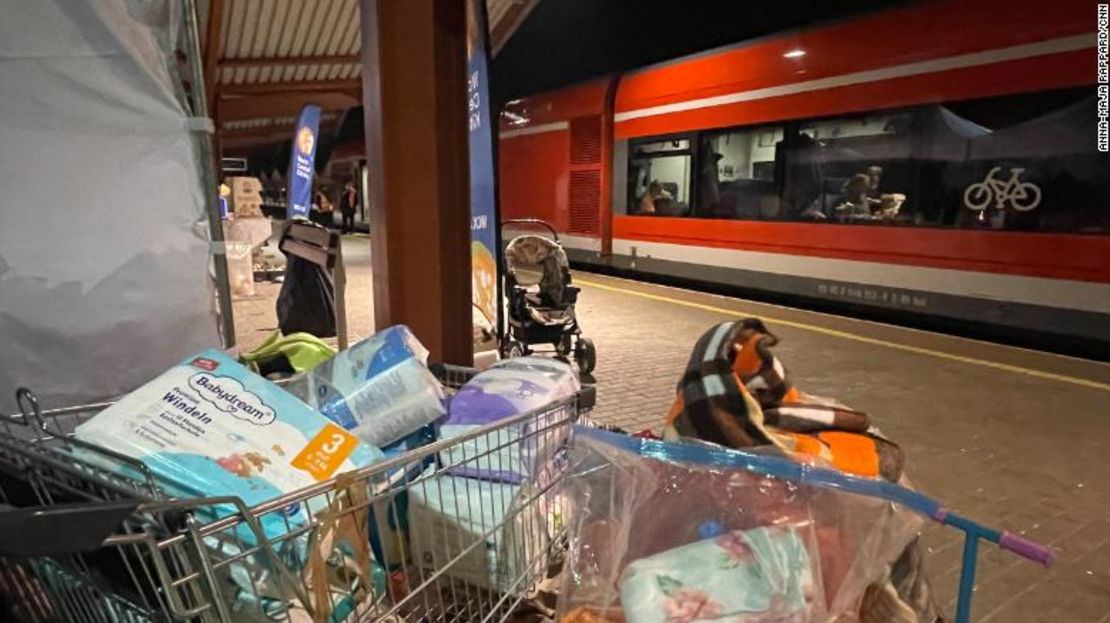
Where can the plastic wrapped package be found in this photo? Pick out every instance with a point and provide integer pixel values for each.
(380, 389)
(252, 230)
(663, 532)
(447, 515)
(509, 388)
(764, 572)
(210, 427)
(240, 268)
(389, 513)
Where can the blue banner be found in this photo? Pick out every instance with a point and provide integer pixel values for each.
(483, 197)
(302, 162)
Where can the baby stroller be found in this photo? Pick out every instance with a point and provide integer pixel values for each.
(541, 299)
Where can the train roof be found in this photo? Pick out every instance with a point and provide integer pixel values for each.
(936, 51)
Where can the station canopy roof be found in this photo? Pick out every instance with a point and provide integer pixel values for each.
(265, 59)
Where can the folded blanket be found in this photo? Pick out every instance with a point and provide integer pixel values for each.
(713, 404)
(804, 417)
(735, 393)
(761, 372)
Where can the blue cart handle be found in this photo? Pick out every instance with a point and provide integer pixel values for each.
(779, 466)
(782, 467)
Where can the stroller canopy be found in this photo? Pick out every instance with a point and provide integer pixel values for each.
(536, 260)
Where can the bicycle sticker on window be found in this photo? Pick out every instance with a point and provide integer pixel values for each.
(1019, 195)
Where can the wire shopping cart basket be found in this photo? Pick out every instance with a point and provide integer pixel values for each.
(91, 535)
(750, 534)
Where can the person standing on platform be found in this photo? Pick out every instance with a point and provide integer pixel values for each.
(324, 209)
(348, 203)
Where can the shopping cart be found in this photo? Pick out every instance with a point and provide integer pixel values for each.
(97, 537)
(744, 471)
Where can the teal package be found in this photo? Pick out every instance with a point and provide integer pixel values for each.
(210, 427)
(763, 574)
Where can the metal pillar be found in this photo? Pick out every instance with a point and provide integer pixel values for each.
(414, 97)
(208, 173)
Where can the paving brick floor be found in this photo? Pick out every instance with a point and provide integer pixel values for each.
(1016, 450)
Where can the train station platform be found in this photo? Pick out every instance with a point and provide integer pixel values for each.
(1013, 438)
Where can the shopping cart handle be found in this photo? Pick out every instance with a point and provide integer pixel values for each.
(1026, 548)
(62, 529)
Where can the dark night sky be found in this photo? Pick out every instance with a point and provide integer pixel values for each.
(567, 41)
(563, 42)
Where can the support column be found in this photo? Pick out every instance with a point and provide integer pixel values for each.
(414, 100)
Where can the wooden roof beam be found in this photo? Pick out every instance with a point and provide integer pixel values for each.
(262, 136)
(282, 130)
(282, 104)
(295, 61)
(212, 44)
(507, 23)
(309, 86)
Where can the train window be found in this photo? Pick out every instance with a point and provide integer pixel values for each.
(1017, 162)
(1022, 162)
(659, 177)
(736, 174)
(852, 169)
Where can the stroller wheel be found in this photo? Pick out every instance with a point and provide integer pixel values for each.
(586, 355)
(513, 349)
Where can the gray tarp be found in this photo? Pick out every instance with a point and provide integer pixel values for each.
(104, 278)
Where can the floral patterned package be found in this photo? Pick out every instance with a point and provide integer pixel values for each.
(763, 574)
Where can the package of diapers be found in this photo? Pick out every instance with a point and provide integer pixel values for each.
(210, 427)
(379, 389)
(758, 575)
(485, 534)
(507, 389)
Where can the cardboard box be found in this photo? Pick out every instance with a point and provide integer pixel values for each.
(246, 196)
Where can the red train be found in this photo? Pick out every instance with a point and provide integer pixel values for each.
(939, 160)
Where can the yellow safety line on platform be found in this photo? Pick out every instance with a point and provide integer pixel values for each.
(997, 365)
